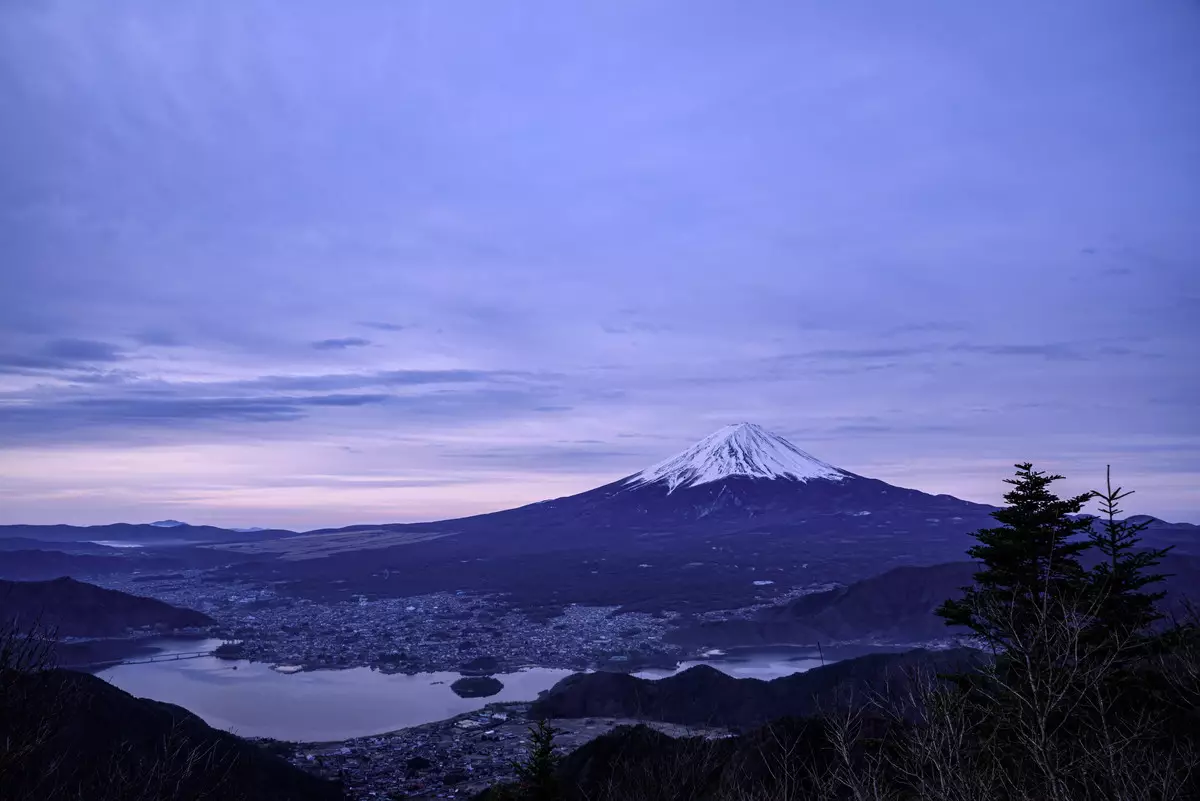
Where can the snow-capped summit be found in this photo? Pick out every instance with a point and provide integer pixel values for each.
(742, 449)
(167, 524)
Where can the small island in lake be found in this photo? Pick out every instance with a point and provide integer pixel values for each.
(476, 687)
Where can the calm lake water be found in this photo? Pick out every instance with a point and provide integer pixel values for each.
(255, 701)
(251, 699)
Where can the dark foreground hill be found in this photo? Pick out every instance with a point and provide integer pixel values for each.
(77, 609)
(954, 748)
(68, 736)
(638, 763)
(703, 695)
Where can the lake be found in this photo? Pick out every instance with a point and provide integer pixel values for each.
(253, 700)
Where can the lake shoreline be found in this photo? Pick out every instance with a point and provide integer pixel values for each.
(260, 700)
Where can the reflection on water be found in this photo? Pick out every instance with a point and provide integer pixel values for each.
(253, 700)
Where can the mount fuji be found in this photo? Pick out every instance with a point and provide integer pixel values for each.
(744, 449)
(720, 525)
(741, 510)
(741, 476)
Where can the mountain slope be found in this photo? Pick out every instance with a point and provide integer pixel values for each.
(740, 477)
(77, 609)
(705, 529)
(701, 529)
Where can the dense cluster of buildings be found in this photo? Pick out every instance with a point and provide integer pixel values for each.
(454, 758)
(425, 633)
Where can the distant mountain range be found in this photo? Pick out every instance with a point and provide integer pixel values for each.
(160, 531)
(177, 524)
(741, 477)
(35, 552)
(707, 528)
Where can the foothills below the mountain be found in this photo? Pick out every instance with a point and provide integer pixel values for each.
(73, 608)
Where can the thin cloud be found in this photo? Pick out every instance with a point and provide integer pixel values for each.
(158, 337)
(1052, 351)
(112, 410)
(61, 355)
(142, 411)
(341, 343)
(928, 327)
(851, 354)
(548, 457)
(381, 326)
(382, 378)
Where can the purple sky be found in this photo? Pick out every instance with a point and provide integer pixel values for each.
(302, 264)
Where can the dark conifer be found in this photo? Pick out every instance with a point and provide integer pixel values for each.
(1123, 606)
(1030, 559)
(537, 774)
